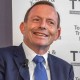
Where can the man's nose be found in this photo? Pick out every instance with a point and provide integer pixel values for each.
(43, 24)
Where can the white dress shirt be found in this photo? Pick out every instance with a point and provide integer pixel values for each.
(30, 54)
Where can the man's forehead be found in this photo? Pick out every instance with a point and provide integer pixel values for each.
(42, 5)
(43, 8)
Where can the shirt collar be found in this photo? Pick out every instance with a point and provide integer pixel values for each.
(30, 54)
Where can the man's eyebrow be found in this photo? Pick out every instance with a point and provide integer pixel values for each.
(51, 19)
(36, 16)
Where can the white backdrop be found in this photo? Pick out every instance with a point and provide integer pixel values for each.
(68, 45)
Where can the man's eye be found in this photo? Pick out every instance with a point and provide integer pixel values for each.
(51, 23)
(36, 20)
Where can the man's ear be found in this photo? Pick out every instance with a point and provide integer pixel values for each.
(22, 27)
(57, 35)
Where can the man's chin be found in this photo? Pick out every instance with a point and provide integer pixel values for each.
(42, 45)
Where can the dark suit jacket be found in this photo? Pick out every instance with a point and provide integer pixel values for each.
(12, 65)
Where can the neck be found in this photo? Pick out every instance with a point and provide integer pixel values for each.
(38, 48)
(41, 50)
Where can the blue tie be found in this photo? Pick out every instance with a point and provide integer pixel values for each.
(40, 71)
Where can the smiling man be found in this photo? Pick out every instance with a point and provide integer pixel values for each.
(40, 28)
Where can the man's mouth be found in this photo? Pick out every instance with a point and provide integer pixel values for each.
(40, 34)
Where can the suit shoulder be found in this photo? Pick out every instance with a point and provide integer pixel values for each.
(7, 50)
(59, 60)
(61, 66)
(10, 48)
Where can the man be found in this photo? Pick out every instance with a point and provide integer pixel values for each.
(41, 27)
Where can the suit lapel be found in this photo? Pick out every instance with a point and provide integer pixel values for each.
(53, 66)
(19, 58)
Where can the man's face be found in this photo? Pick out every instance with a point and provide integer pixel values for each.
(41, 27)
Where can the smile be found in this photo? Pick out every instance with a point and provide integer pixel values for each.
(40, 34)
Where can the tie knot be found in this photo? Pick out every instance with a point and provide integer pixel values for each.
(38, 59)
